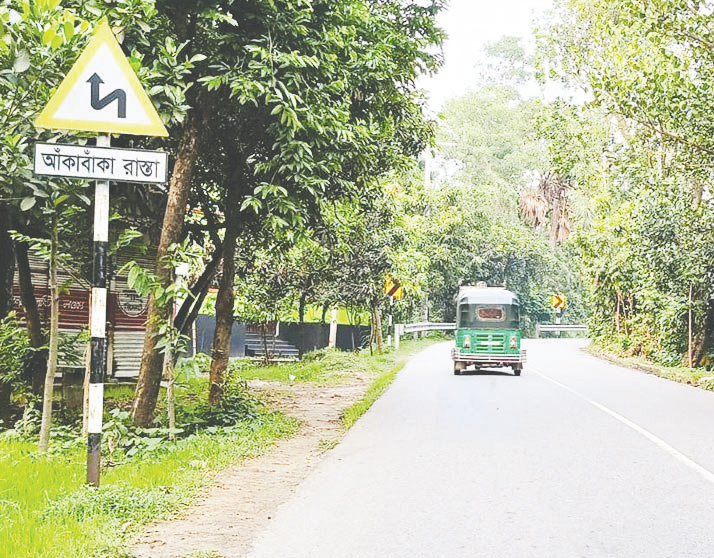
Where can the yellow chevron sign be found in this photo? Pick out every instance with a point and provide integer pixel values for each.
(559, 302)
(393, 288)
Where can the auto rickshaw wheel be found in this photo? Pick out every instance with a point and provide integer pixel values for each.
(517, 370)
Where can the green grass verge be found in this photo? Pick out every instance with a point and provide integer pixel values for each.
(46, 510)
(324, 367)
(330, 367)
(699, 377)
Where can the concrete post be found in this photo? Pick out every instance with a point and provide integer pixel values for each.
(332, 343)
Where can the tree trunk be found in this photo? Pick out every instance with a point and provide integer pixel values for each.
(323, 319)
(188, 311)
(7, 262)
(7, 272)
(221, 348)
(704, 340)
(5, 393)
(36, 367)
(48, 397)
(148, 384)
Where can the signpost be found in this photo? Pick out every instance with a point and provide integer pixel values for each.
(394, 290)
(559, 302)
(101, 163)
(101, 94)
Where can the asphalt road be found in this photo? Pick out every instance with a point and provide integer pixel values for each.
(575, 458)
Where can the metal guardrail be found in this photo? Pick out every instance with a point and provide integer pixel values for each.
(567, 328)
(403, 329)
(425, 326)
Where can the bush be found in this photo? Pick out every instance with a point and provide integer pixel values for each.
(190, 368)
(236, 406)
(15, 351)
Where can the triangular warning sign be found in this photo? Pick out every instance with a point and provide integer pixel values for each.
(101, 93)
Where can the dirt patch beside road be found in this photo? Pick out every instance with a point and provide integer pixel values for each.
(244, 497)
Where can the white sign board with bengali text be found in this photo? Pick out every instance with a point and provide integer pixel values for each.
(101, 163)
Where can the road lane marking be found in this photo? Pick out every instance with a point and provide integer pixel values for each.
(679, 456)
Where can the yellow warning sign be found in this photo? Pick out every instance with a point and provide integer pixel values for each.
(101, 93)
(558, 301)
(393, 288)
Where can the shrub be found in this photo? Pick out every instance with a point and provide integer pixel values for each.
(15, 351)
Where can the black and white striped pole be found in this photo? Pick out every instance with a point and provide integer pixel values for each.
(98, 325)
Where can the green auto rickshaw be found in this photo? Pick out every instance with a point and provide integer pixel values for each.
(488, 330)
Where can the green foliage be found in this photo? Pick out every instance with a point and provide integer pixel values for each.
(28, 425)
(191, 368)
(15, 350)
(646, 249)
(236, 406)
(496, 145)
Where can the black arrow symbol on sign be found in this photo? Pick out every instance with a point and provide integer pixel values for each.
(118, 95)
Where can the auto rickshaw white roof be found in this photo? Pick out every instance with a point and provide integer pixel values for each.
(486, 295)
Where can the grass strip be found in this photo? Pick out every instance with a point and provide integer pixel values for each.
(352, 414)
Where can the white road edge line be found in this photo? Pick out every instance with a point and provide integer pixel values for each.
(679, 456)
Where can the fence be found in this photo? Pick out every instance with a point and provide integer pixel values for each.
(403, 329)
(565, 328)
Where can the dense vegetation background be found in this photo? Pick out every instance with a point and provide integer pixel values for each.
(305, 169)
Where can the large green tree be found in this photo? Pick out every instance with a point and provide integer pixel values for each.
(304, 101)
(648, 66)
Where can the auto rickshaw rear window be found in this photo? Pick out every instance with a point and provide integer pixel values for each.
(491, 314)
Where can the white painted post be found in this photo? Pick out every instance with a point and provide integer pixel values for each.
(332, 343)
(557, 322)
(390, 322)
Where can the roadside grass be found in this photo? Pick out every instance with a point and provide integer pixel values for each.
(323, 367)
(326, 367)
(698, 377)
(47, 511)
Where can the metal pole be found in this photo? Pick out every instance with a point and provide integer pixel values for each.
(98, 325)
(389, 322)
